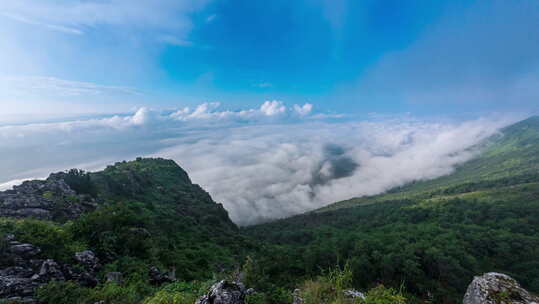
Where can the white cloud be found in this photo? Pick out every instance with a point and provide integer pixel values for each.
(303, 110)
(271, 108)
(78, 16)
(259, 167)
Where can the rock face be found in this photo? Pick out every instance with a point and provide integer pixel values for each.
(22, 270)
(225, 292)
(497, 288)
(157, 277)
(354, 294)
(50, 199)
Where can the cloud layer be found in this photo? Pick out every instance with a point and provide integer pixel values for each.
(263, 163)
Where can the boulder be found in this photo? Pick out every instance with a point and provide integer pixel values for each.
(24, 272)
(497, 288)
(224, 292)
(297, 297)
(50, 199)
(114, 277)
(50, 270)
(23, 250)
(354, 294)
(157, 277)
(87, 259)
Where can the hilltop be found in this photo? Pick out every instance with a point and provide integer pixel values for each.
(144, 219)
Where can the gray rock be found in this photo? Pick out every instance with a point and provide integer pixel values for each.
(13, 286)
(157, 277)
(50, 199)
(50, 270)
(224, 292)
(296, 296)
(88, 259)
(23, 273)
(9, 237)
(23, 250)
(497, 288)
(114, 277)
(354, 294)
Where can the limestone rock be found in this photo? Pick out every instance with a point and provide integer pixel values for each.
(297, 297)
(157, 277)
(50, 199)
(88, 259)
(497, 288)
(24, 272)
(224, 292)
(115, 277)
(50, 270)
(354, 294)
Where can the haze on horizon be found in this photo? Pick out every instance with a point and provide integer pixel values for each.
(330, 99)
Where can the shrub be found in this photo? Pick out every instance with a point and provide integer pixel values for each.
(179, 293)
(383, 295)
(54, 240)
(63, 293)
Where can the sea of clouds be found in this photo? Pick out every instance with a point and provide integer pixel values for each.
(261, 164)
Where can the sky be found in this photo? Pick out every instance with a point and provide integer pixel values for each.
(72, 57)
(275, 107)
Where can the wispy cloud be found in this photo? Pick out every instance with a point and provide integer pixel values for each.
(210, 18)
(175, 41)
(52, 86)
(54, 27)
(73, 16)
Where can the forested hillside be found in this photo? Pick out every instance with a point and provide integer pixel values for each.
(430, 236)
(148, 221)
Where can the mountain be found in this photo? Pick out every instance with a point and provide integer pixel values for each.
(510, 157)
(144, 219)
(142, 232)
(432, 236)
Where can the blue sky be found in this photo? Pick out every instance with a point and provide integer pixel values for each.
(421, 57)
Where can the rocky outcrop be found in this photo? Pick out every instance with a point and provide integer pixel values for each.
(88, 259)
(225, 292)
(296, 296)
(23, 270)
(497, 288)
(157, 277)
(50, 199)
(354, 294)
(114, 277)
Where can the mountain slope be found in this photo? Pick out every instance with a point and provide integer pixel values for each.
(145, 215)
(508, 158)
(431, 236)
